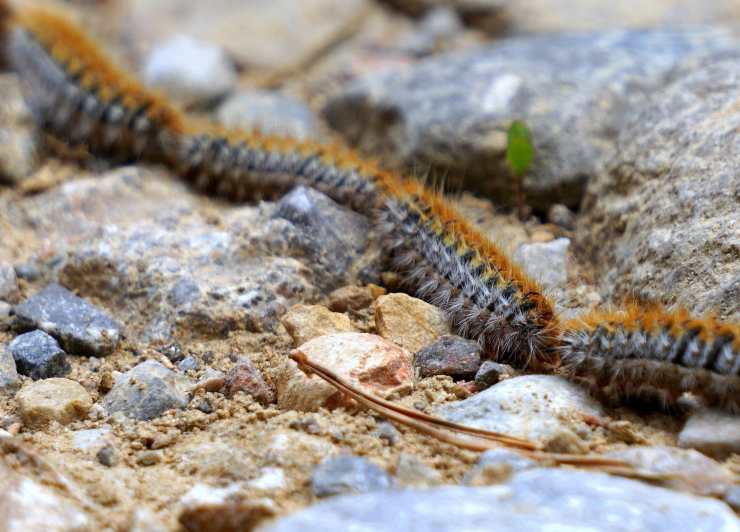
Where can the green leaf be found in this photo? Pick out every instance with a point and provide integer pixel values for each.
(519, 148)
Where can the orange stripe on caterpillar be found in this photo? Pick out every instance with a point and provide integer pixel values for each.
(651, 352)
(77, 93)
(444, 260)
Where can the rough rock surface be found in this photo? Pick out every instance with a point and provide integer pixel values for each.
(542, 408)
(270, 113)
(344, 474)
(545, 262)
(245, 377)
(39, 356)
(18, 133)
(497, 465)
(367, 360)
(9, 380)
(450, 355)
(490, 373)
(55, 399)
(189, 70)
(80, 327)
(147, 391)
(409, 322)
(219, 509)
(572, 90)
(304, 322)
(667, 205)
(532, 500)
(8, 282)
(712, 432)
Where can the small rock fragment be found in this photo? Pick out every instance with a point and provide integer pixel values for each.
(304, 322)
(712, 432)
(190, 70)
(732, 497)
(9, 380)
(409, 322)
(189, 363)
(354, 297)
(545, 262)
(542, 408)
(212, 380)
(8, 282)
(687, 469)
(90, 438)
(5, 309)
(293, 448)
(55, 399)
(245, 377)
(80, 327)
(490, 373)
(38, 355)
(149, 458)
(19, 138)
(561, 215)
(386, 431)
(413, 472)
(450, 355)
(366, 360)
(107, 456)
(495, 466)
(269, 112)
(146, 391)
(270, 478)
(348, 474)
(211, 509)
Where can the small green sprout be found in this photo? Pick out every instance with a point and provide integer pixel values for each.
(519, 156)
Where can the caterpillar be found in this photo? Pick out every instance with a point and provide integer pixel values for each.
(79, 96)
(653, 354)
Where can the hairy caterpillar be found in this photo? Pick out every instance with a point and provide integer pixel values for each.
(81, 98)
(651, 353)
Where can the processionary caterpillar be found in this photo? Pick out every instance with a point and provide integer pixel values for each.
(80, 97)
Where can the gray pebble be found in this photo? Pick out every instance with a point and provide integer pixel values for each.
(490, 373)
(348, 474)
(450, 355)
(27, 271)
(386, 431)
(147, 391)
(497, 463)
(189, 363)
(107, 455)
(9, 380)
(8, 282)
(38, 355)
(80, 327)
(545, 261)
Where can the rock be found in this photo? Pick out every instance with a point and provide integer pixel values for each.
(210, 457)
(491, 372)
(9, 380)
(90, 438)
(288, 448)
(712, 432)
(366, 360)
(667, 205)
(386, 431)
(561, 215)
(25, 504)
(212, 509)
(269, 479)
(177, 272)
(327, 235)
(212, 380)
(107, 455)
(80, 327)
(451, 113)
(18, 134)
(538, 499)
(274, 35)
(542, 408)
(270, 113)
(411, 471)
(189, 363)
(354, 297)
(732, 497)
(409, 322)
(245, 377)
(497, 465)
(305, 322)
(450, 355)
(146, 391)
(5, 309)
(348, 474)
(38, 355)
(189, 70)
(687, 470)
(545, 262)
(55, 399)
(8, 282)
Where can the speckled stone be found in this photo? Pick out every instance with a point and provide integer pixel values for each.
(572, 90)
(54, 399)
(450, 355)
(146, 391)
(38, 355)
(80, 327)
(348, 474)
